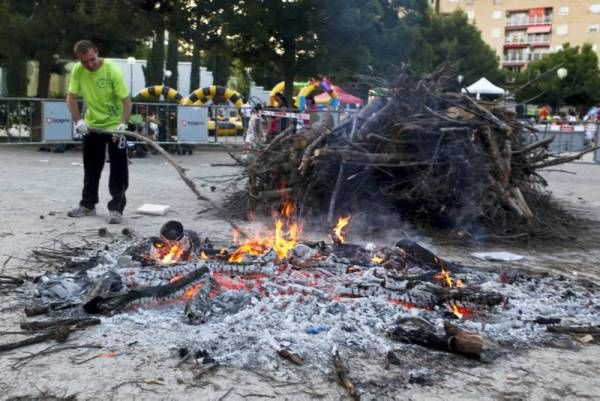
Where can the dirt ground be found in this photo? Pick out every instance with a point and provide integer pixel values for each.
(38, 188)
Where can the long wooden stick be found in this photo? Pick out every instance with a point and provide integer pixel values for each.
(160, 150)
(180, 171)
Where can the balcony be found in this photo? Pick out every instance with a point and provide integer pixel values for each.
(516, 23)
(521, 59)
(514, 61)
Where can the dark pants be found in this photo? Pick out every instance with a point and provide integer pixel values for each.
(94, 150)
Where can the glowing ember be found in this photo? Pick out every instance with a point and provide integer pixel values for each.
(400, 302)
(338, 230)
(190, 292)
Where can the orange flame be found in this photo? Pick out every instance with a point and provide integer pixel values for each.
(285, 237)
(283, 245)
(190, 292)
(203, 256)
(174, 254)
(338, 230)
(455, 311)
(254, 246)
(444, 277)
(376, 259)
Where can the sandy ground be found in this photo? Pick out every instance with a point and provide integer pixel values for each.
(39, 187)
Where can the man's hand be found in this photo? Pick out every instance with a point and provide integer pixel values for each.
(122, 127)
(81, 127)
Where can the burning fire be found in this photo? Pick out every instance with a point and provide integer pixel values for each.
(173, 255)
(444, 277)
(376, 259)
(339, 227)
(285, 237)
(455, 311)
(461, 312)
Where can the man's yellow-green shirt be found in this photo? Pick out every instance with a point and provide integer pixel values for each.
(102, 91)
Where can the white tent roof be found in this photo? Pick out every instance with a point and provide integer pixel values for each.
(483, 86)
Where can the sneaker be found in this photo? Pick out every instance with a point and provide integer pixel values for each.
(81, 211)
(115, 217)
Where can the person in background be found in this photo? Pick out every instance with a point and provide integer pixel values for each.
(246, 111)
(572, 117)
(254, 133)
(108, 106)
(543, 113)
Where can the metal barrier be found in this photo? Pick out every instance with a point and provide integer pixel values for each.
(567, 137)
(597, 138)
(48, 121)
(17, 124)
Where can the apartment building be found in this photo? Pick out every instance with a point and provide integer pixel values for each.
(524, 30)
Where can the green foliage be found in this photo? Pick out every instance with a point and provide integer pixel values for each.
(172, 61)
(153, 71)
(451, 38)
(195, 69)
(580, 88)
(45, 28)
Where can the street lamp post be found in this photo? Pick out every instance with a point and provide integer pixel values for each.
(131, 62)
(562, 72)
(168, 74)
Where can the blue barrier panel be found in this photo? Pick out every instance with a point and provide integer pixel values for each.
(57, 124)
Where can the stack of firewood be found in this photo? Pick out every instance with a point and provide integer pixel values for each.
(435, 157)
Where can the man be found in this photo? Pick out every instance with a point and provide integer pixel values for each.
(108, 106)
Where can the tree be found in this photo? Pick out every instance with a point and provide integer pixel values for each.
(283, 33)
(451, 38)
(45, 28)
(580, 88)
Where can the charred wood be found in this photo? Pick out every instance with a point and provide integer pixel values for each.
(110, 303)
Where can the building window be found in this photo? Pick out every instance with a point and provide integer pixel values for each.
(497, 14)
(562, 29)
(495, 33)
(595, 47)
(594, 28)
(469, 2)
(470, 14)
(563, 11)
(594, 8)
(497, 2)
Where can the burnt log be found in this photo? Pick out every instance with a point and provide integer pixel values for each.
(462, 294)
(74, 323)
(111, 303)
(455, 340)
(197, 308)
(593, 330)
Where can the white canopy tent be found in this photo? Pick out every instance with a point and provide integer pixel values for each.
(485, 87)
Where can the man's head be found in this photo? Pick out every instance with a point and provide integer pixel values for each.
(87, 54)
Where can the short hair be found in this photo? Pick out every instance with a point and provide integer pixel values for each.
(83, 46)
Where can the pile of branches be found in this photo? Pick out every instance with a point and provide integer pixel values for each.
(435, 157)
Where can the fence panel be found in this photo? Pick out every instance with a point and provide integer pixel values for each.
(43, 121)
